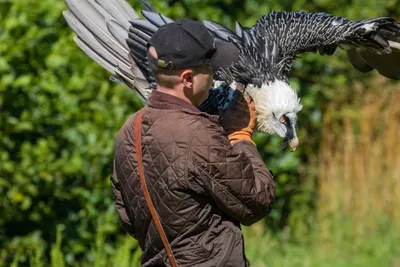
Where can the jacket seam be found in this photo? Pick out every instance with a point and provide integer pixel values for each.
(217, 183)
(188, 151)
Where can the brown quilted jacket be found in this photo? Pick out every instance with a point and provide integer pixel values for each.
(203, 188)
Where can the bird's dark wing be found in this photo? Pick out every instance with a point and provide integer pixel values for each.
(251, 60)
(373, 42)
(102, 27)
(365, 60)
(268, 48)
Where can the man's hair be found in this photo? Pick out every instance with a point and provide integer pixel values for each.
(164, 77)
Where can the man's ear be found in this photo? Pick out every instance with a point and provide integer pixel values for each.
(187, 78)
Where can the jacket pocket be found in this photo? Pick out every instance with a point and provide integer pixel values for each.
(189, 256)
(228, 249)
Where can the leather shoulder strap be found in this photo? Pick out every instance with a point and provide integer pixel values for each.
(153, 212)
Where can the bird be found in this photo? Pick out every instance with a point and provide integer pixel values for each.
(113, 35)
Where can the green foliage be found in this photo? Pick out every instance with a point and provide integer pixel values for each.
(59, 118)
(124, 253)
(60, 114)
(56, 254)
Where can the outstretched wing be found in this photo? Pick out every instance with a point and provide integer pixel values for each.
(254, 62)
(102, 27)
(278, 37)
(365, 60)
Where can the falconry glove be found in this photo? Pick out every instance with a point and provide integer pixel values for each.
(239, 119)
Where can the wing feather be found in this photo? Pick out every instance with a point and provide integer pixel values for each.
(268, 49)
(102, 28)
(369, 41)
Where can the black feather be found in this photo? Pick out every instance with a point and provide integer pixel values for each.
(156, 18)
(148, 6)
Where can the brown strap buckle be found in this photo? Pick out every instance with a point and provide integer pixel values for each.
(153, 212)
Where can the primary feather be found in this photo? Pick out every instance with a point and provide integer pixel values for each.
(102, 27)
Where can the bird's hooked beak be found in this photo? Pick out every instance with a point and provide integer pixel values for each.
(293, 143)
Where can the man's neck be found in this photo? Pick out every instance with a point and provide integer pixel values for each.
(174, 92)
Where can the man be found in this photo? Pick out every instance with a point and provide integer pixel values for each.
(205, 176)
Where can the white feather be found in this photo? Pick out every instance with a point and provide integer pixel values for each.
(369, 27)
(275, 98)
(394, 45)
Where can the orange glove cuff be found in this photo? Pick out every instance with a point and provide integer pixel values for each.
(240, 136)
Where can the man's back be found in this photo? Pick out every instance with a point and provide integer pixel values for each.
(201, 187)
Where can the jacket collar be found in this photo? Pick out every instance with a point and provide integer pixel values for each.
(160, 100)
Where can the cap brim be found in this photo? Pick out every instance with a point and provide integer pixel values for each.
(227, 54)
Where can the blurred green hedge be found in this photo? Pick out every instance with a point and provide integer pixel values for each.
(60, 115)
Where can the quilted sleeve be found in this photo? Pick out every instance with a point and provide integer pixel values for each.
(119, 204)
(234, 176)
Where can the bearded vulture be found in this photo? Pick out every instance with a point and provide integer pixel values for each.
(111, 33)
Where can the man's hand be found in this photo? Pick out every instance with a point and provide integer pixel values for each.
(239, 119)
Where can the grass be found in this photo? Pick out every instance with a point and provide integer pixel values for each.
(359, 169)
(340, 248)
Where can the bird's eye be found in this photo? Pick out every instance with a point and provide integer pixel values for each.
(282, 120)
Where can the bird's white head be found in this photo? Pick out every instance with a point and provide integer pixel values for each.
(277, 105)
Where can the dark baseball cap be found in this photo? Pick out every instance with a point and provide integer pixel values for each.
(186, 43)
